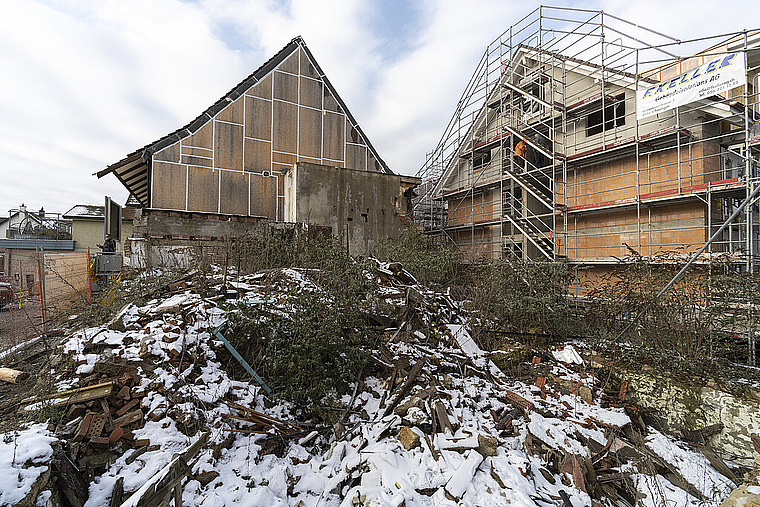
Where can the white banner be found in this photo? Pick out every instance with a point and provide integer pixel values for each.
(718, 75)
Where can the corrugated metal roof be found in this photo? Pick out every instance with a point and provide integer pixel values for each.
(32, 244)
(95, 212)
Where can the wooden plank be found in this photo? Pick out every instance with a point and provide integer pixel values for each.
(199, 161)
(290, 64)
(118, 493)
(73, 396)
(156, 491)
(178, 496)
(352, 135)
(333, 138)
(372, 163)
(356, 157)
(199, 152)
(68, 477)
(169, 186)
(234, 194)
(258, 156)
(284, 158)
(719, 464)
(264, 196)
(286, 87)
(201, 138)
(311, 93)
(261, 89)
(285, 122)
(307, 69)
(169, 154)
(443, 418)
(203, 189)
(258, 118)
(233, 112)
(228, 146)
(405, 387)
(310, 133)
(128, 418)
(330, 104)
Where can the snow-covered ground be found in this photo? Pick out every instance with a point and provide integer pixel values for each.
(556, 444)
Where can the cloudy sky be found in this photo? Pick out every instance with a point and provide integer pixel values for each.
(86, 82)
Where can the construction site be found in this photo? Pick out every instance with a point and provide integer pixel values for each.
(552, 153)
(570, 322)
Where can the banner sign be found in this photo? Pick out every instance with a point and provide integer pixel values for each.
(718, 75)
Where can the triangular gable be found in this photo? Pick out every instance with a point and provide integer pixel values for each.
(230, 158)
(511, 73)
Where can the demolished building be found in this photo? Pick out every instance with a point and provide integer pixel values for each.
(234, 167)
(553, 153)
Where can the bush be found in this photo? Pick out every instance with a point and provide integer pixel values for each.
(431, 264)
(526, 299)
(691, 330)
(313, 351)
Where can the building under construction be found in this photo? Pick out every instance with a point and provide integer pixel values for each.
(587, 138)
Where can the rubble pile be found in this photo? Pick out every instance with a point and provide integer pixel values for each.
(147, 411)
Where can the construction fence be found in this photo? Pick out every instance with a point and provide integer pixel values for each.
(37, 289)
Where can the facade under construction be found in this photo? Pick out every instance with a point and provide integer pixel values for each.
(586, 138)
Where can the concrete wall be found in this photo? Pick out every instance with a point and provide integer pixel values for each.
(674, 408)
(360, 205)
(88, 233)
(181, 240)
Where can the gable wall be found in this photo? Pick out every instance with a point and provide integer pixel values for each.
(234, 163)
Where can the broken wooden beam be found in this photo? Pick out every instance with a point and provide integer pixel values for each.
(405, 387)
(443, 419)
(72, 396)
(154, 492)
(12, 376)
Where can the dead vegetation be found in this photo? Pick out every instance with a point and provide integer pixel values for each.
(342, 358)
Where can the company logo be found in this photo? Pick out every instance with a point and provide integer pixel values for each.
(687, 78)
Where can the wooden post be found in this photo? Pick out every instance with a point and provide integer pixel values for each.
(89, 275)
(40, 287)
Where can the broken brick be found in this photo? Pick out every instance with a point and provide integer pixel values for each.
(116, 435)
(126, 408)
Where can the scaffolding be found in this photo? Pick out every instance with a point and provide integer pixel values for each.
(545, 158)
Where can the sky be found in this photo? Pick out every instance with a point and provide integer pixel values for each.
(84, 83)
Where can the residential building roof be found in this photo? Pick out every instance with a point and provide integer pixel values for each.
(89, 211)
(132, 170)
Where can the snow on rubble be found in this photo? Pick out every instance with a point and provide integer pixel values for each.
(437, 423)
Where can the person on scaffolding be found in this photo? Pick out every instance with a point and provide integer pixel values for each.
(520, 152)
(109, 245)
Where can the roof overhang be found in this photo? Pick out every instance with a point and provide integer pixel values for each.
(132, 172)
